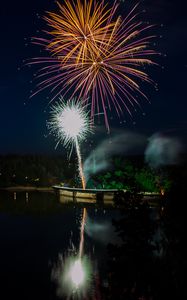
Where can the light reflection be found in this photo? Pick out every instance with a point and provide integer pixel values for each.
(77, 273)
(73, 272)
(73, 276)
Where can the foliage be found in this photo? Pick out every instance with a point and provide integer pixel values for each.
(126, 175)
(146, 180)
(150, 262)
(36, 170)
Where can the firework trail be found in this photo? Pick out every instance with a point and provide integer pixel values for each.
(70, 124)
(80, 165)
(97, 57)
(81, 245)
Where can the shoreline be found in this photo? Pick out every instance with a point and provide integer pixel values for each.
(52, 188)
(27, 188)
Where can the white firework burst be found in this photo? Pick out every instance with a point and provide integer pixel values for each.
(69, 122)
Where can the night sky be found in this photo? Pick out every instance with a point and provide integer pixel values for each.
(23, 120)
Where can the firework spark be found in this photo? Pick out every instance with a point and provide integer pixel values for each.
(109, 73)
(77, 30)
(70, 124)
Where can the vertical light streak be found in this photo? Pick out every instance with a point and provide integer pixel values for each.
(81, 245)
(81, 173)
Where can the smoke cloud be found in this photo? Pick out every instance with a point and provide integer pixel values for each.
(162, 150)
(125, 143)
(103, 231)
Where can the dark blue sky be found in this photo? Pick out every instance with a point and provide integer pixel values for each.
(23, 120)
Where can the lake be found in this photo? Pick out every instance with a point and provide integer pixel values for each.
(38, 235)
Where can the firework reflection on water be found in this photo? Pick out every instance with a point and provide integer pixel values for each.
(73, 276)
(73, 272)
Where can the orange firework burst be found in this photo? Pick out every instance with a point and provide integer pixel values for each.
(78, 30)
(106, 66)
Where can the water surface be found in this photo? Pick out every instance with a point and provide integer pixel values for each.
(34, 229)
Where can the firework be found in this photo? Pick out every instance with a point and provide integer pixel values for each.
(70, 124)
(77, 30)
(109, 73)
